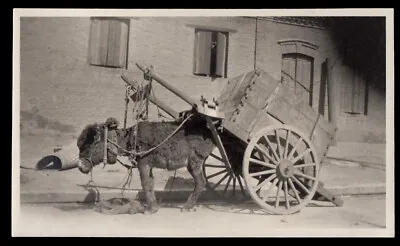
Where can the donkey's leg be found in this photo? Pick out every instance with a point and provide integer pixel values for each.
(152, 192)
(195, 169)
(147, 184)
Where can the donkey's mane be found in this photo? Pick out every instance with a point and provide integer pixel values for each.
(87, 132)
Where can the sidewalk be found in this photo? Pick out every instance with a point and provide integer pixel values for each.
(367, 154)
(341, 178)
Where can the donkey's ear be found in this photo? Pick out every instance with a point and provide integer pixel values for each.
(82, 138)
(112, 123)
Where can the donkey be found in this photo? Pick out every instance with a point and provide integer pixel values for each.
(189, 147)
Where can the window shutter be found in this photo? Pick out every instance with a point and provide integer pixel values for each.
(322, 89)
(98, 42)
(221, 55)
(123, 52)
(305, 72)
(113, 43)
(359, 94)
(289, 72)
(356, 93)
(305, 78)
(202, 52)
(117, 44)
(346, 90)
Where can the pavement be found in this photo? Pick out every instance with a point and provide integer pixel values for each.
(341, 174)
(361, 216)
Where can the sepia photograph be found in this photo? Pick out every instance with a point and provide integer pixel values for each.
(203, 123)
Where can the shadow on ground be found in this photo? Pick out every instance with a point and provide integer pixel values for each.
(75, 206)
(250, 208)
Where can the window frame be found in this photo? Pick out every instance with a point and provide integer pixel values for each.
(304, 49)
(363, 94)
(296, 57)
(225, 59)
(90, 41)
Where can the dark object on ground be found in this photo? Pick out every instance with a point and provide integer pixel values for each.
(115, 206)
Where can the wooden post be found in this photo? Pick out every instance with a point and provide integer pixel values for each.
(331, 98)
(322, 89)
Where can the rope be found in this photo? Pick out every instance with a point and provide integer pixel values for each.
(127, 182)
(91, 184)
(143, 153)
(126, 105)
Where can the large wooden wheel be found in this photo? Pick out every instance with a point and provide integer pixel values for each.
(280, 169)
(229, 188)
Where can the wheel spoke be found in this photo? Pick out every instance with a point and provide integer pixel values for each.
(262, 163)
(265, 182)
(294, 190)
(241, 186)
(227, 184)
(278, 143)
(215, 166)
(216, 174)
(270, 189)
(259, 155)
(262, 173)
(301, 155)
(217, 157)
(272, 148)
(304, 175)
(286, 145)
(294, 149)
(305, 165)
(266, 154)
(286, 194)
(219, 182)
(234, 187)
(300, 184)
(277, 193)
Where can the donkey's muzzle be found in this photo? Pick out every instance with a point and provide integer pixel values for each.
(84, 166)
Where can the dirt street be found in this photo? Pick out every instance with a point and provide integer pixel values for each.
(363, 215)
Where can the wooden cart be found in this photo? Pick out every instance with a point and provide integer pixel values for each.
(270, 143)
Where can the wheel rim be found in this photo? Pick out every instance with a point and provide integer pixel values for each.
(221, 183)
(280, 169)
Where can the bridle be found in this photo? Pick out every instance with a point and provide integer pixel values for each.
(107, 148)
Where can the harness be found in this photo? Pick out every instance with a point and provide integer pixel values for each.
(141, 110)
(134, 153)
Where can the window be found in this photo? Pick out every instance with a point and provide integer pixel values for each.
(297, 74)
(298, 67)
(354, 92)
(210, 56)
(108, 42)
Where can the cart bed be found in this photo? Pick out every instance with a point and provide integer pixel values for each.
(255, 100)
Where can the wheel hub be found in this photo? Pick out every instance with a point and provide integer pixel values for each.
(285, 169)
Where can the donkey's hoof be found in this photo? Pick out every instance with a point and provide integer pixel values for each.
(185, 209)
(151, 211)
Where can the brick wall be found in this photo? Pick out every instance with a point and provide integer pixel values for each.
(56, 77)
(351, 128)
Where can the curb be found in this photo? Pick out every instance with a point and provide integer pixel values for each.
(88, 196)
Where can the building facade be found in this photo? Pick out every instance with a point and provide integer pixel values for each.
(71, 66)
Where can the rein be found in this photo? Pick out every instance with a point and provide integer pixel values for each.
(133, 152)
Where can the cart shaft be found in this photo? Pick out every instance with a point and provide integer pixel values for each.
(154, 100)
(168, 85)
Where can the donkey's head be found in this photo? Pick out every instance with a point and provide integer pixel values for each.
(91, 145)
